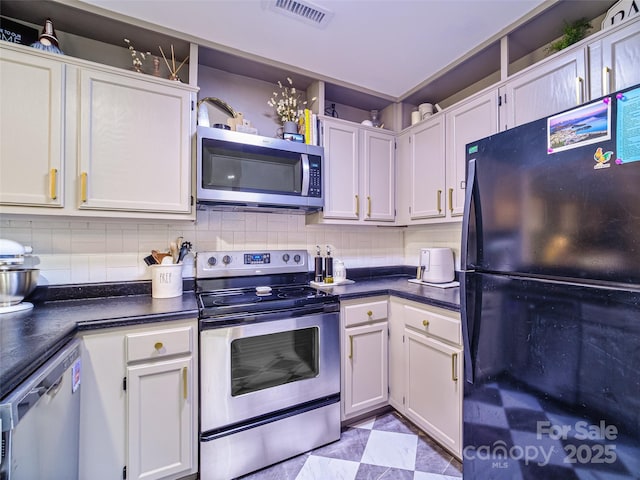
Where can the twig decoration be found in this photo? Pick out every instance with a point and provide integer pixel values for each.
(172, 68)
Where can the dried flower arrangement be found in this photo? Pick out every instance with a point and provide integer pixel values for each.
(138, 57)
(289, 103)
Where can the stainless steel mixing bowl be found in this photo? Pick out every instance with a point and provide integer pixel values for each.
(16, 284)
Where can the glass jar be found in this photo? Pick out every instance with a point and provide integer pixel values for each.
(375, 120)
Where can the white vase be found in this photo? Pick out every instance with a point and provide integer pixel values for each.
(290, 127)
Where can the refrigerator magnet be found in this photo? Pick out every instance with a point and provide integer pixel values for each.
(578, 127)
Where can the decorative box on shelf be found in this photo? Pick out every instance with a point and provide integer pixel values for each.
(15, 32)
(294, 137)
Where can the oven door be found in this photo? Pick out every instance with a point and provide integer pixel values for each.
(260, 368)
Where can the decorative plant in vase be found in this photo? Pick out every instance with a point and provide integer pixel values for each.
(572, 33)
(289, 104)
(137, 57)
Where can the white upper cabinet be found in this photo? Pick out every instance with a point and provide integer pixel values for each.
(359, 178)
(469, 121)
(549, 87)
(421, 172)
(92, 140)
(31, 129)
(341, 165)
(613, 60)
(379, 176)
(134, 144)
(427, 170)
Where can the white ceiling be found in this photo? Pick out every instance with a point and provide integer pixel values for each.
(386, 46)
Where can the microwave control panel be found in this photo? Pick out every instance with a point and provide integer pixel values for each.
(315, 179)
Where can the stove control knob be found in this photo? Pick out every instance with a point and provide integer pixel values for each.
(212, 261)
(286, 257)
(226, 259)
(296, 258)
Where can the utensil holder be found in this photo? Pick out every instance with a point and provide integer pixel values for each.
(166, 280)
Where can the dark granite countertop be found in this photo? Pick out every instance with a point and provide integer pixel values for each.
(399, 286)
(29, 339)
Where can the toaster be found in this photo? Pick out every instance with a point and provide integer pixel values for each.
(436, 265)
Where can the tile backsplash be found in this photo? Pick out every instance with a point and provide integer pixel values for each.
(74, 251)
(437, 235)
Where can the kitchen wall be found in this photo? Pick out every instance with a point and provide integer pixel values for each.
(437, 235)
(72, 251)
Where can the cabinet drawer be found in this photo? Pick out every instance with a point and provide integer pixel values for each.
(159, 343)
(437, 322)
(365, 312)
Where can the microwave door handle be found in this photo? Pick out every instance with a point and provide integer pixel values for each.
(305, 175)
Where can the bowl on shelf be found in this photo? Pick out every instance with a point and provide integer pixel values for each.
(16, 284)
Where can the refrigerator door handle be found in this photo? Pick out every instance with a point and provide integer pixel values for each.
(468, 199)
(469, 239)
(467, 328)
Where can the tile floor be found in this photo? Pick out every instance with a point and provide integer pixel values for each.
(385, 447)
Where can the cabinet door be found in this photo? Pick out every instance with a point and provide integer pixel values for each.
(434, 388)
(548, 88)
(31, 129)
(470, 121)
(341, 199)
(403, 178)
(102, 407)
(620, 54)
(428, 170)
(396, 355)
(134, 144)
(379, 179)
(160, 410)
(365, 368)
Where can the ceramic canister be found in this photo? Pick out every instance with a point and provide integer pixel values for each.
(425, 109)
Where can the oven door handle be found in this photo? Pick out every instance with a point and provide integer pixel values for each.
(269, 418)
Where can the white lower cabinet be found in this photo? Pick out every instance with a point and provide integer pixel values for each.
(139, 406)
(365, 356)
(425, 365)
(434, 388)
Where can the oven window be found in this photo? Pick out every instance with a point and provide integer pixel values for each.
(270, 360)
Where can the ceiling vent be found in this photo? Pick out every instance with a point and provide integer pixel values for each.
(302, 10)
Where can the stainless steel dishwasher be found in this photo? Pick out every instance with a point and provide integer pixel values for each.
(40, 421)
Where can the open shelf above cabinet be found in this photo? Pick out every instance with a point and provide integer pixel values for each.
(526, 42)
(489, 63)
(97, 35)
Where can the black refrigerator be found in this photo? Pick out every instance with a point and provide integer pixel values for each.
(550, 297)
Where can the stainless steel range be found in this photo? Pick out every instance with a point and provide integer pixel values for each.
(269, 361)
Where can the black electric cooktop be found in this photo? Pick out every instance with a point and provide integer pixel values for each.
(234, 301)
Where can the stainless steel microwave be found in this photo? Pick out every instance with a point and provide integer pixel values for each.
(249, 171)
